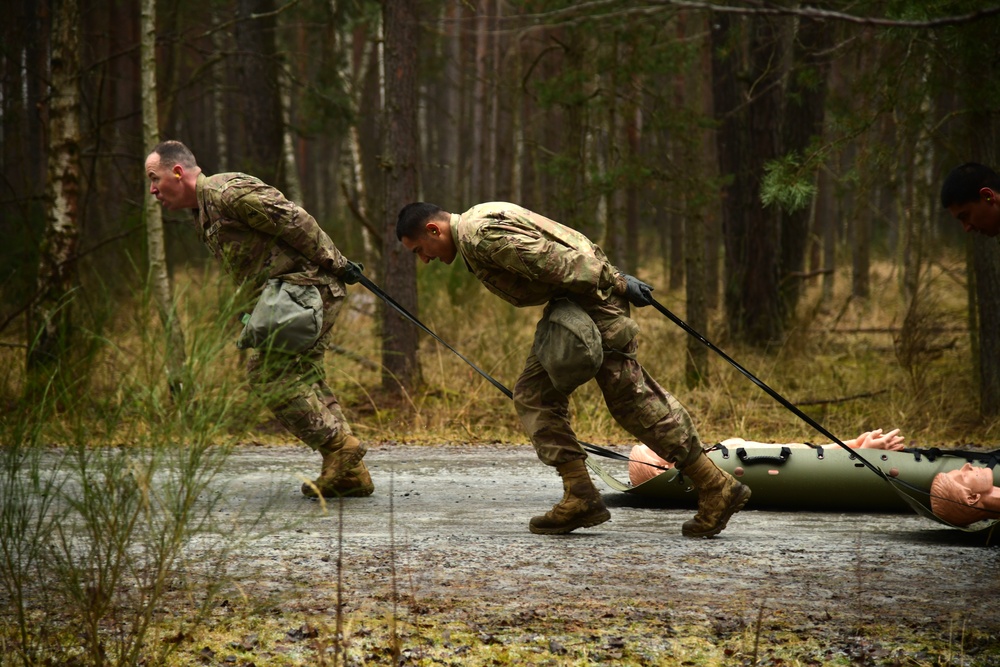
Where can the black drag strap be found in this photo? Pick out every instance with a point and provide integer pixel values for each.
(380, 293)
(772, 393)
(377, 291)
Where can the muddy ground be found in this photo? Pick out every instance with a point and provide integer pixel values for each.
(443, 545)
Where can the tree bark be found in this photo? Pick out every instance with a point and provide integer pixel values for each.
(984, 128)
(50, 325)
(747, 139)
(156, 249)
(401, 371)
(258, 149)
(805, 102)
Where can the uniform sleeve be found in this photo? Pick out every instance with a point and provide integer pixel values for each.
(524, 251)
(268, 211)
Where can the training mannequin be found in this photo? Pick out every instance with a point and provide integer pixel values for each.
(640, 456)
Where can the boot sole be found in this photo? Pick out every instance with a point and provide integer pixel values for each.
(738, 503)
(587, 522)
(360, 492)
(345, 466)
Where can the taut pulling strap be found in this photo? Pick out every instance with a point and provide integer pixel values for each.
(772, 393)
(377, 291)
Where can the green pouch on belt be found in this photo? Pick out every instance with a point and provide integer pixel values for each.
(287, 317)
(568, 345)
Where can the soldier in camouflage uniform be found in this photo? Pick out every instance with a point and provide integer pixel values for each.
(527, 260)
(258, 235)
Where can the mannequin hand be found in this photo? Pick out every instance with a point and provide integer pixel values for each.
(878, 440)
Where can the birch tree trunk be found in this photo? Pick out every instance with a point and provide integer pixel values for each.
(156, 248)
(50, 323)
(293, 186)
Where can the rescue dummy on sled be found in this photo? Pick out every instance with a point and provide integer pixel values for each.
(958, 488)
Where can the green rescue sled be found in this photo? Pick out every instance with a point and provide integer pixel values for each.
(819, 479)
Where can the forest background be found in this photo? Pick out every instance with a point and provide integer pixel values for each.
(771, 168)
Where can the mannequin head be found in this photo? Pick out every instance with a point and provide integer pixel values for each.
(964, 495)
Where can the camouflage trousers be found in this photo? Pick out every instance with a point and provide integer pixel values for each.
(294, 386)
(640, 405)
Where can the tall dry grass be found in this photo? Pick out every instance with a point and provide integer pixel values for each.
(852, 364)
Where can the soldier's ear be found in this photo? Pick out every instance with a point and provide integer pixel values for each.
(432, 229)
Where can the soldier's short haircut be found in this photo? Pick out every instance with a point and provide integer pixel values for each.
(174, 152)
(413, 217)
(963, 183)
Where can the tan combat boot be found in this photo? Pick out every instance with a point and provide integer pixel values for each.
(580, 507)
(340, 456)
(719, 497)
(357, 483)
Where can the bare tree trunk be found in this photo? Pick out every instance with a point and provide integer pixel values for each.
(158, 275)
(293, 186)
(747, 140)
(258, 109)
(401, 371)
(357, 65)
(50, 324)
(805, 102)
(692, 153)
(609, 208)
(632, 139)
(861, 238)
(479, 101)
(985, 292)
(451, 100)
(696, 363)
(827, 218)
(219, 101)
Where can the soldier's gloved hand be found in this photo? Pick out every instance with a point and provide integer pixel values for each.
(352, 272)
(638, 292)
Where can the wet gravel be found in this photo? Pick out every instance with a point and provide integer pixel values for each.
(447, 527)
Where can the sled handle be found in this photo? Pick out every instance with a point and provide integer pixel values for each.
(778, 460)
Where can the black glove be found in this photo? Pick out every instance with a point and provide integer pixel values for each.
(352, 272)
(637, 292)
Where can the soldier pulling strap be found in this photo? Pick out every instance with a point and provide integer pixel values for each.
(380, 293)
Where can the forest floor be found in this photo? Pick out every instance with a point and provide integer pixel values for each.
(438, 567)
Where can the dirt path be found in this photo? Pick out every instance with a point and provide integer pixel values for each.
(459, 545)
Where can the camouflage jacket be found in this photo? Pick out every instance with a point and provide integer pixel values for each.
(527, 259)
(258, 234)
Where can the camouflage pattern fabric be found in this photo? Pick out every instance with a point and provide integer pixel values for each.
(294, 386)
(527, 259)
(258, 234)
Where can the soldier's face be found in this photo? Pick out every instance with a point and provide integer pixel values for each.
(164, 184)
(982, 216)
(434, 243)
